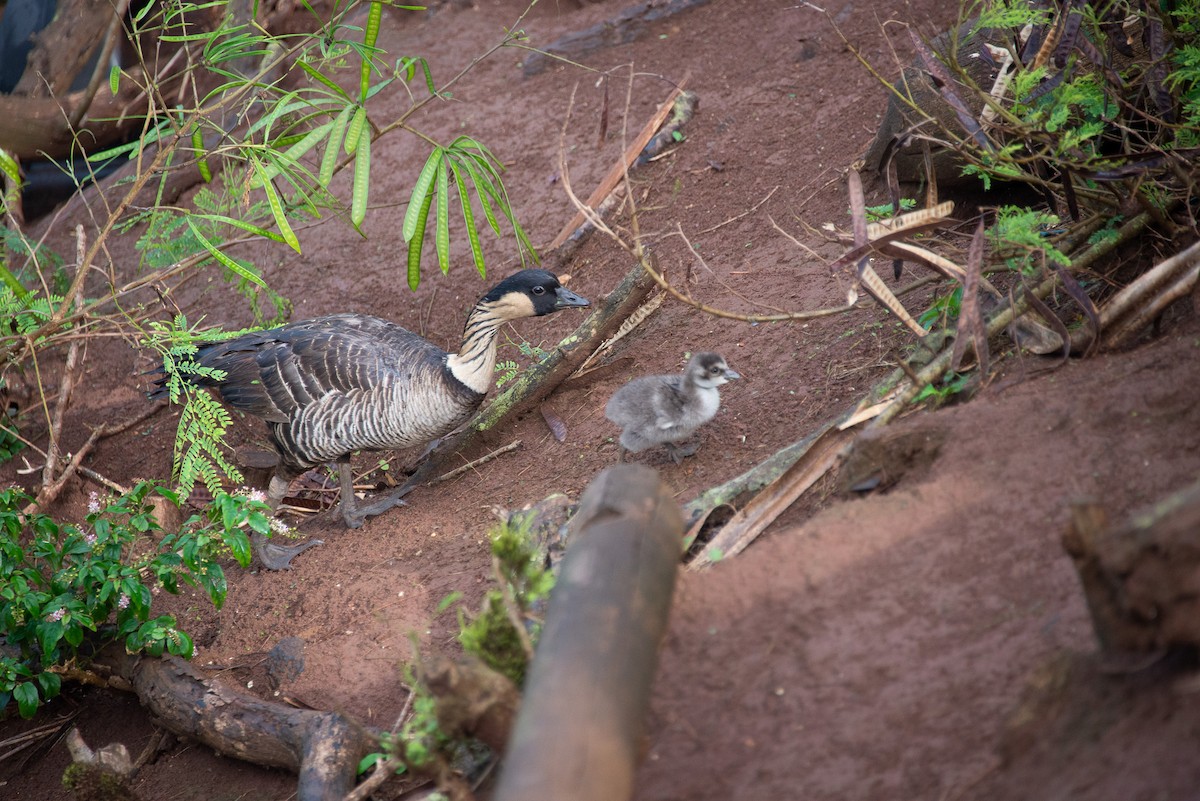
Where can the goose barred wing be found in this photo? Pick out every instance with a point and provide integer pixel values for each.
(276, 374)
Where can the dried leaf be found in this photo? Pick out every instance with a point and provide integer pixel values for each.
(555, 423)
(1080, 296)
(878, 289)
(1051, 319)
(944, 84)
(858, 214)
(970, 319)
(931, 188)
(603, 134)
(1066, 42)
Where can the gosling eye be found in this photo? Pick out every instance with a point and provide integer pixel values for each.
(714, 369)
(539, 290)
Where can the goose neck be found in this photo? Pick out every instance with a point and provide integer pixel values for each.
(475, 362)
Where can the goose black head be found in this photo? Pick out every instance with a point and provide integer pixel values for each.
(710, 370)
(531, 293)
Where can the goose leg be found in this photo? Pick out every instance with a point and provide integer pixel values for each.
(272, 555)
(354, 514)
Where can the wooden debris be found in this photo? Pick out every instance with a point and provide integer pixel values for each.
(472, 699)
(580, 729)
(628, 26)
(1141, 577)
(575, 229)
(100, 775)
(322, 747)
(1135, 306)
(750, 521)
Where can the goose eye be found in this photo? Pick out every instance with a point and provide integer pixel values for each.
(539, 290)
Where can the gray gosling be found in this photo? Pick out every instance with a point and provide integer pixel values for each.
(666, 409)
(334, 385)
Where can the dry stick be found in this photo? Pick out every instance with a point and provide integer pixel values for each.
(1183, 285)
(619, 170)
(745, 213)
(1127, 302)
(384, 770)
(70, 375)
(120, 489)
(458, 471)
(49, 494)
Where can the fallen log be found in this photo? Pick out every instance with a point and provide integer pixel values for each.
(579, 731)
(324, 748)
(628, 26)
(1141, 577)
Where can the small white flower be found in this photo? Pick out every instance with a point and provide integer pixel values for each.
(56, 615)
(123, 602)
(280, 527)
(90, 538)
(256, 495)
(93, 502)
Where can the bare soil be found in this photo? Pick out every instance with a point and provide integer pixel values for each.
(929, 641)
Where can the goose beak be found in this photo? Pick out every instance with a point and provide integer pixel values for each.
(565, 298)
(731, 375)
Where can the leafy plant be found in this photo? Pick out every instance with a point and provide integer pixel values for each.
(200, 437)
(417, 741)
(507, 369)
(944, 310)
(61, 583)
(886, 211)
(1022, 236)
(525, 581)
(944, 388)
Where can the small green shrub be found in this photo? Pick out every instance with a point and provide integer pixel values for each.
(62, 583)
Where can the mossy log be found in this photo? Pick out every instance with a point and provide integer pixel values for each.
(579, 731)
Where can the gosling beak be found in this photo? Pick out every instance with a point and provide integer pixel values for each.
(732, 375)
(565, 298)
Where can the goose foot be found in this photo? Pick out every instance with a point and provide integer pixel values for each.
(274, 556)
(354, 514)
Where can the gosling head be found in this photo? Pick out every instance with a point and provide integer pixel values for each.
(709, 371)
(530, 293)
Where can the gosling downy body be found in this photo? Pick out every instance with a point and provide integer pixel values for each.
(666, 409)
(333, 385)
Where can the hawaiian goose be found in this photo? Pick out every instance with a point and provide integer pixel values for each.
(333, 385)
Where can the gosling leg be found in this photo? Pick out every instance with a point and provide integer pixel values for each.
(679, 452)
